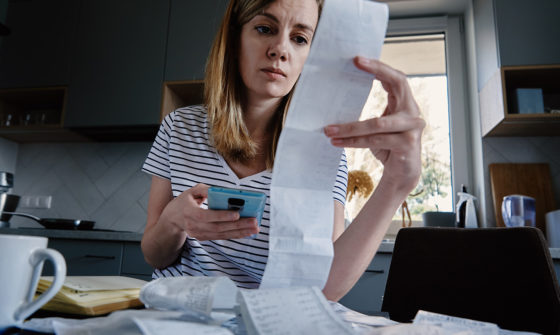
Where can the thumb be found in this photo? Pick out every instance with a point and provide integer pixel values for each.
(199, 193)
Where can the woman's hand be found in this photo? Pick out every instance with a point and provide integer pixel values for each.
(203, 224)
(394, 137)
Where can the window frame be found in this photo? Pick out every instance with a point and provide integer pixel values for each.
(459, 123)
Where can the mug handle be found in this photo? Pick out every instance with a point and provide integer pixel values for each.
(36, 259)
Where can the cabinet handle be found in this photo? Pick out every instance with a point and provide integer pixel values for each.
(99, 257)
(376, 271)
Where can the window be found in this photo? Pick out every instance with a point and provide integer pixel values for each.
(430, 52)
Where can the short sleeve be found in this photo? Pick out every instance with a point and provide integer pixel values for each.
(157, 162)
(341, 182)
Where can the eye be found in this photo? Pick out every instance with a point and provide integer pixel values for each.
(300, 40)
(263, 29)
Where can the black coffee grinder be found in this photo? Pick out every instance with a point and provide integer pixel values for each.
(8, 202)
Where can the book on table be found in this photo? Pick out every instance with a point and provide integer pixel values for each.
(93, 295)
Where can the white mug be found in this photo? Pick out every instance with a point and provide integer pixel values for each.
(21, 263)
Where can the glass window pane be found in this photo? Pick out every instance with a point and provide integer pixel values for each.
(422, 59)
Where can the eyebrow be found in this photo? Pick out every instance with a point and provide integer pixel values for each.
(298, 25)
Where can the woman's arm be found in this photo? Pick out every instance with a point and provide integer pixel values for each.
(171, 220)
(338, 228)
(161, 243)
(394, 139)
(355, 248)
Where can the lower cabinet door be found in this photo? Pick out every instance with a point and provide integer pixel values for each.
(367, 295)
(133, 264)
(87, 258)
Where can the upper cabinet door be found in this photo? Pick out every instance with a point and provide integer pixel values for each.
(192, 27)
(37, 51)
(528, 32)
(515, 33)
(118, 63)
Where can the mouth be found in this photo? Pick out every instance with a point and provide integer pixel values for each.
(274, 72)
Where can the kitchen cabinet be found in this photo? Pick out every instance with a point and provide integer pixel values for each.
(34, 114)
(499, 105)
(192, 27)
(516, 47)
(30, 107)
(178, 94)
(133, 263)
(527, 32)
(367, 295)
(37, 52)
(88, 258)
(93, 252)
(109, 59)
(100, 258)
(118, 64)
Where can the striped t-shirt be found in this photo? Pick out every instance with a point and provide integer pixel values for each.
(182, 153)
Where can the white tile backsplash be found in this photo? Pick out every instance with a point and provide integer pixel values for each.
(89, 181)
(520, 150)
(121, 169)
(103, 182)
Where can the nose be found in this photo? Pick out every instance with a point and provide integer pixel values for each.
(279, 48)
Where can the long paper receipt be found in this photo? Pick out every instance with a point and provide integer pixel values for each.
(290, 311)
(330, 90)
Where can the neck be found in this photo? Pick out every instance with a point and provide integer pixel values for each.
(257, 116)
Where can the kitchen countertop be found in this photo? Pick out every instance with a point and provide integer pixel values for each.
(555, 253)
(105, 235)
(385, 247)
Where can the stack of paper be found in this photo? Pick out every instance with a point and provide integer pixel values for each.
(290, 311)
(206, 305)
(93, 295)
(198, 294)
(295, 310)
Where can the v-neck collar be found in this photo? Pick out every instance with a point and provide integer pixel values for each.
(234, 176)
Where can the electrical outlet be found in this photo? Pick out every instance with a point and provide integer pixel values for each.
(35, 201)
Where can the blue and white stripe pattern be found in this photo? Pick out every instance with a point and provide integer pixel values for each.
(183, 154)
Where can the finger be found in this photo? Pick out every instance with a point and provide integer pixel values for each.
(195, 195)
(200, 191)
(402, 142)
(392, 123)
(390, 78)
(235, 234)
(223, 227)
(216, 230)
(393, 81)
(209, 215)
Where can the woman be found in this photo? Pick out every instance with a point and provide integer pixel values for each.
(255, 61)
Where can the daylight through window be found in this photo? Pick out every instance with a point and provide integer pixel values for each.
(422, 59)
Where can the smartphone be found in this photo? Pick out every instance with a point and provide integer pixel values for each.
(250, 204)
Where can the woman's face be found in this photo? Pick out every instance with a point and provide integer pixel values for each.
(274, 46)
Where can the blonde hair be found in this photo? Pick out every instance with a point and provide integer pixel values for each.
(223, 88)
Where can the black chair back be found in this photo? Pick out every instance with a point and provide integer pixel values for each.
(499, 275)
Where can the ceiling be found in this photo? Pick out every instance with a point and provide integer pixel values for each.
(410, 8)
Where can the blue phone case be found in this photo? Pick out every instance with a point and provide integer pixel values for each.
(250, 204)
